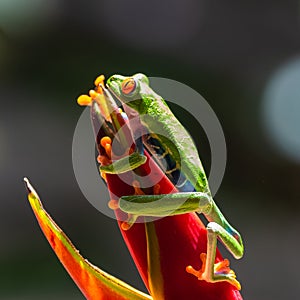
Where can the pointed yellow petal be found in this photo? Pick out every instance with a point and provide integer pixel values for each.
(92, 281)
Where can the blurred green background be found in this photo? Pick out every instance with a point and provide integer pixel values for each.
(244, 58)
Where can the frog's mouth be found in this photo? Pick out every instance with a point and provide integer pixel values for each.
(113, 87)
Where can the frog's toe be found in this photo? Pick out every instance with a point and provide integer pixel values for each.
(126, 225)
(221, 272)
(199, 273)
(222, 267)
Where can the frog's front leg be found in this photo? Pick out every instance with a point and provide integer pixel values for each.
(124, 164)
(218, 227)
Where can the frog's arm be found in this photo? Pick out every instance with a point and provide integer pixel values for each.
(125, 164)
(218, 227)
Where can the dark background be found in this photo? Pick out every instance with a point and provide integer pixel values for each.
(243, 57)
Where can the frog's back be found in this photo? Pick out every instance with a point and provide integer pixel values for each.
(160, 121)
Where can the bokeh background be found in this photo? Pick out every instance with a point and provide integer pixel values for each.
(243, 57)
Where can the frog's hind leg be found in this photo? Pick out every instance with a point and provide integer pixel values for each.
(219, 228)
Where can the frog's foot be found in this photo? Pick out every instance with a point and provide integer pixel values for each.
(113, 204)
(221, 272)
(132, 218)
(126, 225)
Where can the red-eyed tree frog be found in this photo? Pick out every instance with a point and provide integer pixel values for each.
(135, 93)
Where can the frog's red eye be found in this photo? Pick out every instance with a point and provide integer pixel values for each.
(128, 86)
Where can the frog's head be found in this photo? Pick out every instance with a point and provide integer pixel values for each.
(130, 90)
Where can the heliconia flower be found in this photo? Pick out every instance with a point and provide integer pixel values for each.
(166, 251)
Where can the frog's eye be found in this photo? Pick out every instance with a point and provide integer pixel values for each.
(128, 86)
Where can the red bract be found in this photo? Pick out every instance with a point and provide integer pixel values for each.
(180, 240)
